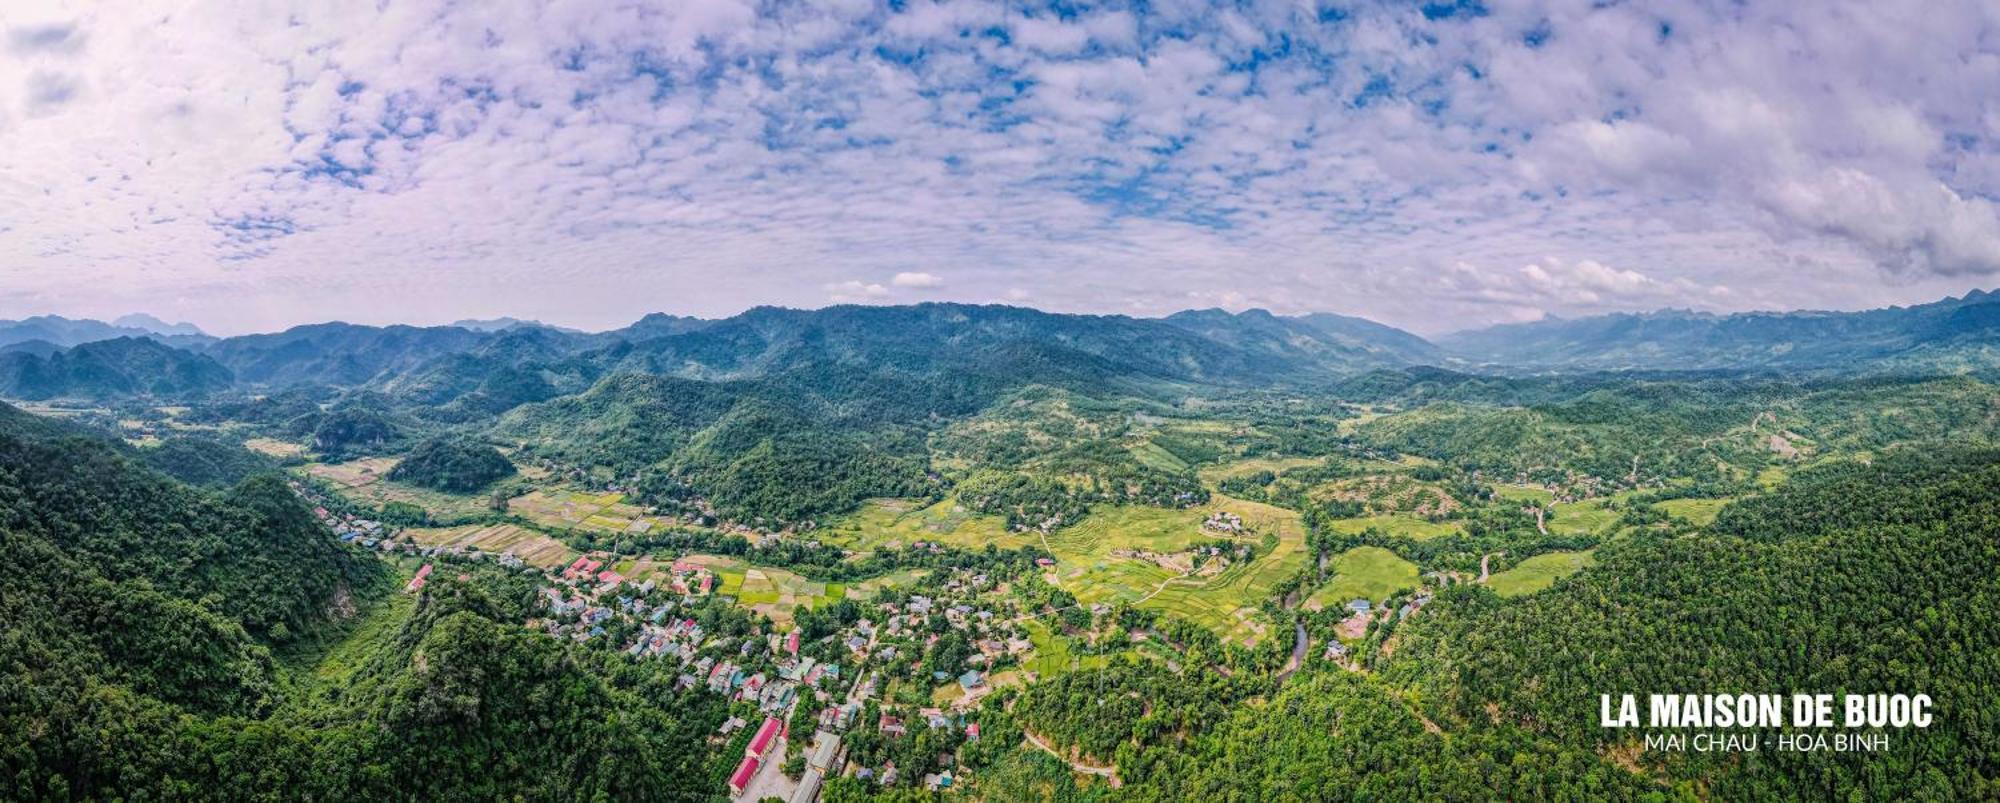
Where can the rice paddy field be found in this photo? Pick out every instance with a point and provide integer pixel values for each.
(1244, 468)
(1539, 572)
(274, 447)
(1411, 527)
(771, 591)
(559, 509)
(881, 522)
(1224, 602)
(365, 481)
(528, 545)
(1590, 516)
(1699, 511)
(1364, 572)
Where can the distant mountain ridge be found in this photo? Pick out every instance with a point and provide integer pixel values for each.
(1949, 334)
(479, 369)
(65, 332)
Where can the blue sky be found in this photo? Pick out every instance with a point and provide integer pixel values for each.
(1431, 165)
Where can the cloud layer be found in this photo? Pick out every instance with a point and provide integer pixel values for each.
(1434, 166)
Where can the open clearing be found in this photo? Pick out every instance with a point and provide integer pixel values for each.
(1244, 468)
(1538, 572)
(366, 482)
(274, 447)
(570, 510)
(1410, 527)
(771, 591)
(1364, 572)
(881, 522)
(1699, 511)
(528, 545)
(1224, 602)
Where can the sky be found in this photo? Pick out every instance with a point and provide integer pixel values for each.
(1435, 166)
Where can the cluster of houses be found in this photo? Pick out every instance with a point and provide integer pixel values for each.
(1223, 521)
(355, 530)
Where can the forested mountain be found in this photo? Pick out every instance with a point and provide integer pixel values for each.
(137, 635)
(1864, 577)
(1336, 342)
(120, 367)
(337, 353)
(1951, 334)
(452, 464)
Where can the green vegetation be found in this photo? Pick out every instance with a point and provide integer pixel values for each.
(1537, 573)
(453, 466)
(1366, 572)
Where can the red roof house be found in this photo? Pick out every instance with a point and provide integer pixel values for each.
(417, 582)
(740, 779)
(765, 736)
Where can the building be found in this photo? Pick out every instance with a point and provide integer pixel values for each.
(740, 779)
(972, 679)
(767, 735)
(417, 582)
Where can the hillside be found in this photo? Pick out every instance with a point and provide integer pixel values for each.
(121, 367)
(1950, 334)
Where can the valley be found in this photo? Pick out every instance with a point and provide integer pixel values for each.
(995, 553)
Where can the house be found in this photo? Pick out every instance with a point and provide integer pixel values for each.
(740, 779)
(972, 679)
(1045, 562)
(583, 568)
(856, 643)
(890, 726)
(1359, 606)
(610, 577)
(417, 582)
(792, 642)
(935, 718)
(972, 732)
(767, 735)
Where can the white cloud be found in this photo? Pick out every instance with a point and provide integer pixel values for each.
(581, 162)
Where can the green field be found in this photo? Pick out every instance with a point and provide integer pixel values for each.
(1699, 511)
(881, 522)
(1410, 527)
(1244, 468)
(1523, 493)
(1365, 572)
(1052, 654)
(1538, 572)
(1590, 516)
(1224, 602)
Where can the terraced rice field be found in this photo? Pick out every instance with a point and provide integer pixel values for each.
(1410, 527)
(366, 482)
(558, 509)
(1225, 602)
(1364, 572)
(881, 522)
(1244, 468)
(529, 545)
(774, 592)
(1538, 572)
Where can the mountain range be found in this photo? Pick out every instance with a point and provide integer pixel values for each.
(487, 367)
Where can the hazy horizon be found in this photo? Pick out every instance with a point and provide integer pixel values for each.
(1430, 335)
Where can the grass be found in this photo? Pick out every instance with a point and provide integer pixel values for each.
(1410, 527)
(1699, 511)
(1053, 655)
(1365, 572)
(1538, 572)
(881, 522)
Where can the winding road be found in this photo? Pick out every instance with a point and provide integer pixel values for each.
(1087, 769)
